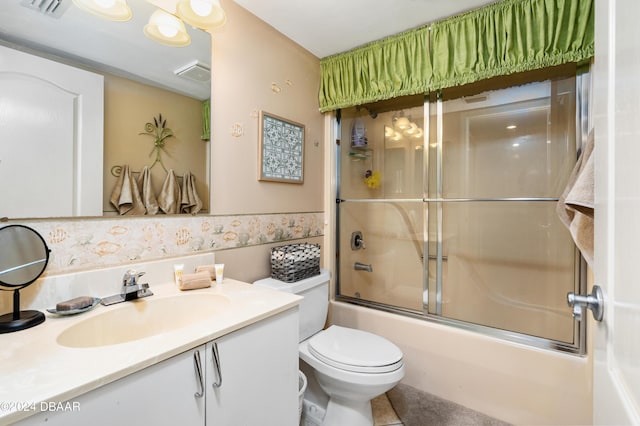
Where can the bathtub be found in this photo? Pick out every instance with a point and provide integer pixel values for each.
(512, 382)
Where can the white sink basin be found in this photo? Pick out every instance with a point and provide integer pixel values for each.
(142, 318)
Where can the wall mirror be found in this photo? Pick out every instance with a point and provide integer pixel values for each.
(119, 50)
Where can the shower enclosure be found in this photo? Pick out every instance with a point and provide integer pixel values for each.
(447, 211)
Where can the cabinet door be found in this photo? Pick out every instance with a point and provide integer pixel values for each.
(255, 379)
(163, 394)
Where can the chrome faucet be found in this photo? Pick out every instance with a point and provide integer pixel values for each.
(131, 289)
(362, 267)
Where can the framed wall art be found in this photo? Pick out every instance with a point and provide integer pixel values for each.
(281, 155)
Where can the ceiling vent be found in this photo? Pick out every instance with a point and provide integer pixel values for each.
(196, 71)
(52, 8)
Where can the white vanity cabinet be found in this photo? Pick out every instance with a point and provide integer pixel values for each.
(252, 375)
(162, 394)
(254, 382)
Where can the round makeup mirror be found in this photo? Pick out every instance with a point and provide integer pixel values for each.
(23, 258)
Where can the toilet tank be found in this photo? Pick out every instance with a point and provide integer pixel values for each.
(313, 308)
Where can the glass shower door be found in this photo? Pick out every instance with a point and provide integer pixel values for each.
(387, 212)
(505, 261)
(461, 225)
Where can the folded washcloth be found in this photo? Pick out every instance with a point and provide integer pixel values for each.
(191, 202)
(195, 280)
(125, 196)
(576, 206)
(148, 197)
(169, 198)
(211, 269)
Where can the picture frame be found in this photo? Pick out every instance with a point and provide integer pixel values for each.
(281, 149)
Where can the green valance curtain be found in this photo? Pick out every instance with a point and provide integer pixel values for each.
(499, 39)
(395, 66)
(510, 36)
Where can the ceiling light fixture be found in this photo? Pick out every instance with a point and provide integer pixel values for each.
(165, 28)
(204, 14)
(388, 132)
(413, 128)
(113, 10)
(402, 123)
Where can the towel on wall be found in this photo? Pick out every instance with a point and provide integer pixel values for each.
(191, 202)
(125, 196)
(169, 198)
(148, 197)
(576, 206)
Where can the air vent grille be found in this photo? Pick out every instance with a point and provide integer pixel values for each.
(52, 8)
(195, 71)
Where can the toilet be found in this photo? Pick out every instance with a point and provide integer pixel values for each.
(351, 366)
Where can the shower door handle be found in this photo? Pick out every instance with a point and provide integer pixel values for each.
(593, 301)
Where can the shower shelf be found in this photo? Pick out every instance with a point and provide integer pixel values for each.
(360, 152)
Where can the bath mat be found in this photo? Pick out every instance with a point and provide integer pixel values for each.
(417, 408)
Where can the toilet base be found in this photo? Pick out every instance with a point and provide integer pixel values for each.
(348, 412)
(312, 414)
(337, 414)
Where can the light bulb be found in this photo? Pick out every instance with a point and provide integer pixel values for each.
(113, 10)
(201, 7)
(402, 123)
(167, 30)
(203, 14)
(413, 127)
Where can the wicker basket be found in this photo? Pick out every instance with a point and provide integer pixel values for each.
(295, 262)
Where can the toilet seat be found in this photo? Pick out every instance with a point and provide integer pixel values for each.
(355, 350)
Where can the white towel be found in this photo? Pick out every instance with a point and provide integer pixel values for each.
(191, 202)
(576, 205)
(169, 198)
(148, 197)
(125, 196)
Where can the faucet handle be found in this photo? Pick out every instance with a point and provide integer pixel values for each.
(131, 277)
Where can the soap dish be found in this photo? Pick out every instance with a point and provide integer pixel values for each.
(96, 300)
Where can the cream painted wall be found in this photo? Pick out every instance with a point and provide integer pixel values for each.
(256, 68)
(250, 264)
(128, 106)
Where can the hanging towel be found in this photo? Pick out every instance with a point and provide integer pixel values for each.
(125, 196)
(148, 197)
(191, 202)
(576, 206)
(169, 198)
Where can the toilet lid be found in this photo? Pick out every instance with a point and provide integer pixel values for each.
(355, 350)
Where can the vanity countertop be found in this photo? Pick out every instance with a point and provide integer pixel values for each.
(35, 368)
